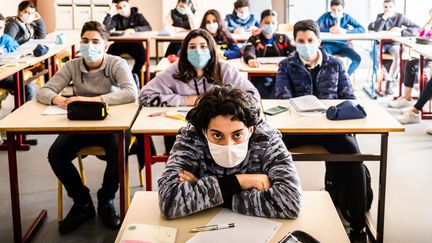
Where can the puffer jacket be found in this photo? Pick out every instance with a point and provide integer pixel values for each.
(293, 79)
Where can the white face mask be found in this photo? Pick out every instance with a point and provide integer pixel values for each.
(28, 18)
(212, 27)
(336, 16)
(228, 156)
(245, 15)
(125, 12)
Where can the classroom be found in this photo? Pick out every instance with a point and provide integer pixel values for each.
(215, 121)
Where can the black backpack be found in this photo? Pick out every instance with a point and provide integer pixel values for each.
(339, 193)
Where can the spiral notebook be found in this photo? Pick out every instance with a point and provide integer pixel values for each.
(146, 233)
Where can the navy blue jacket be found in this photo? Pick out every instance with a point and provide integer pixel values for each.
(326, 21)
(397, 20)
(294, 80)
(232, 22)
(135, 21)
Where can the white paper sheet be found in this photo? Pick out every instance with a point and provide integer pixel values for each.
(135, 233)
(54, 110)
(247, 229)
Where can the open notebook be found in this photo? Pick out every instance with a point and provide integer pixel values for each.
(146, 233)
(307, 103)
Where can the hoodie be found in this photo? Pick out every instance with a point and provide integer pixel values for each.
(22, 33)
(164, 90)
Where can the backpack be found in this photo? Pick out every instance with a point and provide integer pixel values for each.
(339, 193)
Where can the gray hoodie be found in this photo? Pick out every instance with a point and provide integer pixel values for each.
(112, 80)
(267, 154)
(164, 90)
(22, 32)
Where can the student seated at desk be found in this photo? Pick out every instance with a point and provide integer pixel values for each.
(411, 76)
(197, 70)
(241, 20)
(338, 22)
(267, 43)
(227, 47)
(122, 17)
(27, 25)
(180, 19)
(228, 156)
(97, 77)
(311, 71)
(7, 45)
(394, 22)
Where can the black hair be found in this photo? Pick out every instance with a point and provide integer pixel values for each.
(225, 101)
(95, 26)
(268, 12)
(304, 25)
(2, 18)
(390, 1)
(240, 4)
(337, 3)
(187, 2)
(25, 4)
(118, 1)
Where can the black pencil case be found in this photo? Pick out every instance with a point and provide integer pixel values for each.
(87, 110)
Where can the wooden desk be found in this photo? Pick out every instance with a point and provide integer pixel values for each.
(157, 125)
(318, 218)
(144, 37)
(262, 70)
(238, 63)
(378, 121)
(28, 119)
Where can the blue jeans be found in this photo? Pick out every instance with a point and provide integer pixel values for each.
(9, 84)
(346, 51)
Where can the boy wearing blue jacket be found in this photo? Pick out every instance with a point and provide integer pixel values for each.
(338, 22)
(311, 71)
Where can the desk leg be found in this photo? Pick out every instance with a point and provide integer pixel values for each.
(19, 89)
(382, 188)
(148, 161)
(401, 69)
(157, 51)
(121, 165)
(73, 50)
(370, 90)
(147, 72)
(16, 211)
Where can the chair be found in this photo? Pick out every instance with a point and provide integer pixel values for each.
(96, 151)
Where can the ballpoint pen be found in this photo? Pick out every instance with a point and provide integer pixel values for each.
(211, 227)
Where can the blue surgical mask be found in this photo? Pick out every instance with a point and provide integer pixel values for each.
(307, 51)
(181, 11)
(199, 57)
(91, 52)
(269, 29)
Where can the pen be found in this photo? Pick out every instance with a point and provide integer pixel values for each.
(156, 114)
(211, 227)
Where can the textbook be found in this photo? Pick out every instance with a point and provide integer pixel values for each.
(146, 233)
(307, 103)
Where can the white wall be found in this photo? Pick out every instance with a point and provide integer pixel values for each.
(9, 7)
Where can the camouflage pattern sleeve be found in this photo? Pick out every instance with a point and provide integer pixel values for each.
(177, 199)
(284, 198)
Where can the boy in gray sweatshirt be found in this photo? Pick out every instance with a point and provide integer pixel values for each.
(96, 77)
